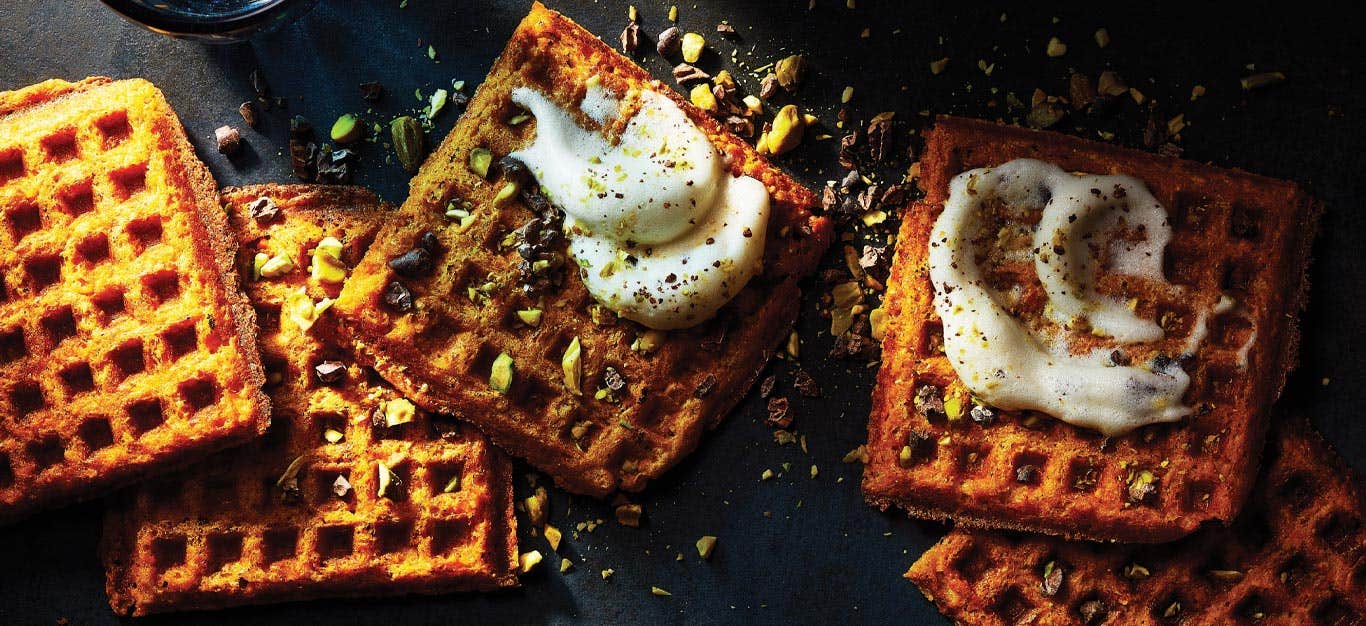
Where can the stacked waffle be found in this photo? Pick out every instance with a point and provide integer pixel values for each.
(128, 348)
(939, 451)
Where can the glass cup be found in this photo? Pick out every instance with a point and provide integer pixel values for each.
(212, 21)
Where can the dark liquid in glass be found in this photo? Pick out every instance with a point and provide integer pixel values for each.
(210, 20)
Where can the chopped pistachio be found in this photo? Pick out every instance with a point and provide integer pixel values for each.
(632, 14)
(572, 364)
(553, 536)
(1136, 572)
(847, 95)
(815, 471)
(953, 406)
(905, 457)
(500, 378)
(538, 507)
(479, 161)
(452, 485)
(705, 546)
(937, 67)
(508, 192)
(1102, 37)
(659, 592)
(387, 479)
(408, 142)
(859, 455)
(794, 345)
(648, 341)
(276, 266)
(346, 129)
(528, 561)
(333, 435)
(702, 97)
(877, 323)
(518, 119)
(257, 262)
(328, 266)
(786, 133)
(291, 472)
(791, 71)
(398, 411)
(303, 311)
(437, 102)
(566, 565)
(693, 44)
(1173, 610)
(530, 317)
(1056, 48)
(753, 104)
(673, 13)
(607, 573)
(767, 475)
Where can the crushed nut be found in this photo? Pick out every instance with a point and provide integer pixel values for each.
(501, 374)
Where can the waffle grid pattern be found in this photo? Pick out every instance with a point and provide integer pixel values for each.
(1234, 234)
(1296, 555)
(226, 533)
(441, 354)
(120, 342)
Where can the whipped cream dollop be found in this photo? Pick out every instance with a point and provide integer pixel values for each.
(1012, 366)
(662, 232)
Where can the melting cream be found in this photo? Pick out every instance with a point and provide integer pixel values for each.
(662, 233)
(1006, 364)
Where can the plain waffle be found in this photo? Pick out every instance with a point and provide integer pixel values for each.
(299, 513)
(464, 314)
(126, 348)
(1233, 234)
(1296, 555)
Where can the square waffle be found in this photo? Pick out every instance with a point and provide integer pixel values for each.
(230, 531)
(126, 347)
(1296, 555)
(1233, 233)
(441, 353)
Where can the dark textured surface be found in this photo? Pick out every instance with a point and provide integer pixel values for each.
(821, 555)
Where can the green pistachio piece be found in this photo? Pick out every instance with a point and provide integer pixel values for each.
(479, 161)
(500, 379)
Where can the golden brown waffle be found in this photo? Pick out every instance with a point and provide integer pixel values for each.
(1232, 233)
(226, 532)
(125, 345)
(1296, 555)
(441, 353)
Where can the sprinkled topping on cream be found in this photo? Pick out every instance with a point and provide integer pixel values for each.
(1086, 223)
(662, 233)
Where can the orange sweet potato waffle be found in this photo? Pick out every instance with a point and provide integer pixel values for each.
(1233, 234)
(1296, 555)
(351, 492)
(126, 347)
(439, 347)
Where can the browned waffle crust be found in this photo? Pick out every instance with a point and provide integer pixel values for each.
(1233, 233)
(441, 354)
(224, 533)
(1295, 555)
(125, 346)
